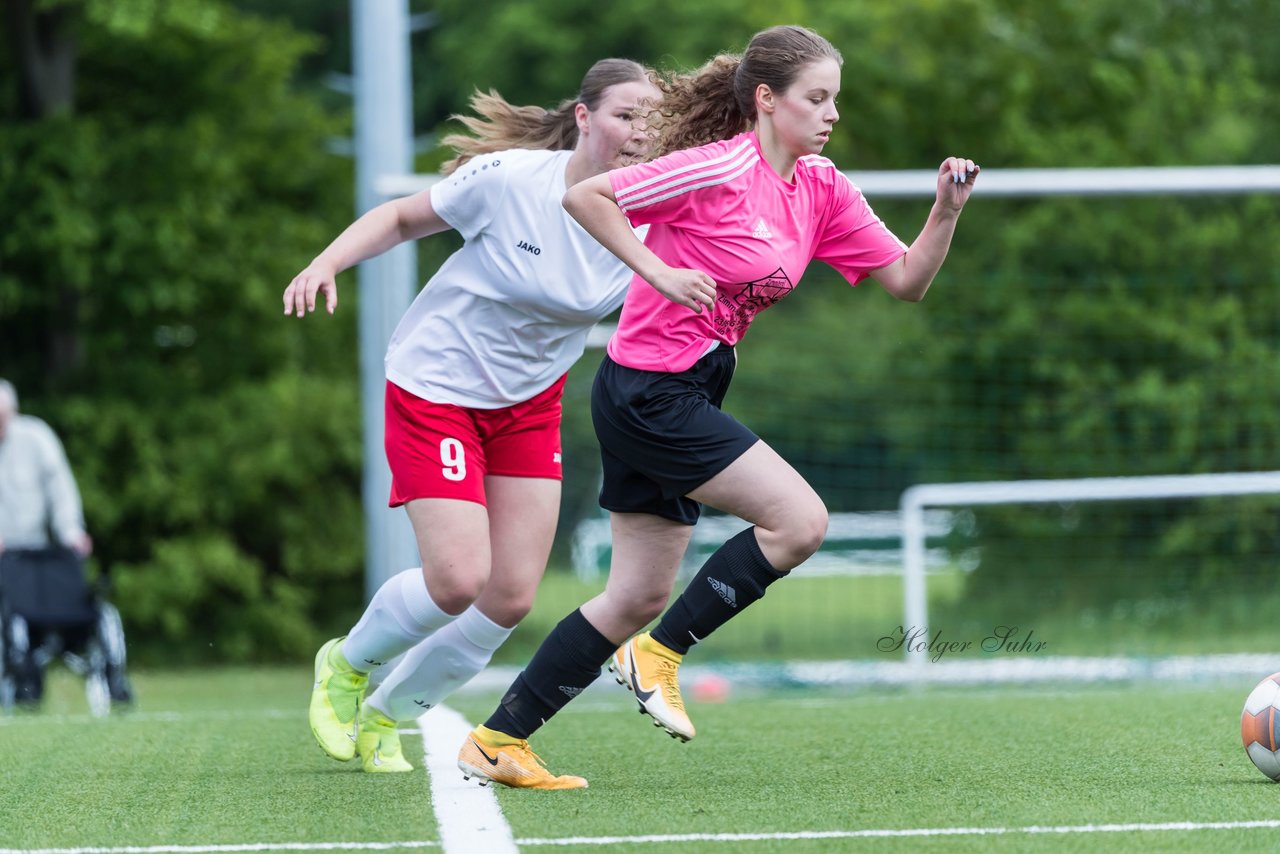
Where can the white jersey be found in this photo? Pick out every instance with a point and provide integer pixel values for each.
(507, 314)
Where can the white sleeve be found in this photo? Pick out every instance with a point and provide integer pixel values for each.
(65, 510)
(468, 198)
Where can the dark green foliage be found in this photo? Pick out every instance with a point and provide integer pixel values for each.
(148, 236)
(149, 230)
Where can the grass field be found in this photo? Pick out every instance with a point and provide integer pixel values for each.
(224, 758)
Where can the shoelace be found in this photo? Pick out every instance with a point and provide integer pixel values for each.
(668, 673)
(523, 746)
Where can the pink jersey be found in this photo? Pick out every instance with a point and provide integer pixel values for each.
(721, 209)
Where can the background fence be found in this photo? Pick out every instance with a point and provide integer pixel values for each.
(1136, 356)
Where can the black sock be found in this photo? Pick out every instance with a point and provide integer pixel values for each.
(731, 579)
(567, 662)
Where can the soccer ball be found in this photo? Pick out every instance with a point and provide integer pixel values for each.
(1260, 726)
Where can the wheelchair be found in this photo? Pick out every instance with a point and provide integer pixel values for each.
(49, 611)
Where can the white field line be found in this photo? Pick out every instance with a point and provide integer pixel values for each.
(889, 833)
(43, 720)
(906, 832)
(467, 813)
(230, 849)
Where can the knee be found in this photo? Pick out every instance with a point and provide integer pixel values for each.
(454, 593)
(648, 610)
(634, 612)
(507, 607)
(814, 529)
(807, 530)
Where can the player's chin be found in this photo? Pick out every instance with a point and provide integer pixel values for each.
(820, 142)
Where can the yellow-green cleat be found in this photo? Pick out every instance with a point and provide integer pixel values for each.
(378, 743)
(336, 699)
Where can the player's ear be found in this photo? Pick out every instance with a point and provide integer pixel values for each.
(764, 98)
(582, 117)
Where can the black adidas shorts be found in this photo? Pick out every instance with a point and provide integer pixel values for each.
(663, 435)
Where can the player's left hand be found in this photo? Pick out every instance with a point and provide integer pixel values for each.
(318, 280)
(956, 177)
(81, 543)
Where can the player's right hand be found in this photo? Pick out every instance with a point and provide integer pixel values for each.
(300, 296)
(691, 288)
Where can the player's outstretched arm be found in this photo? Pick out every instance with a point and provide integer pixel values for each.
(383, 227)
(593, 205)
(909, 277)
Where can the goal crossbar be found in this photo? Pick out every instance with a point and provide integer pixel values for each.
(916, 498)
(1069, 181)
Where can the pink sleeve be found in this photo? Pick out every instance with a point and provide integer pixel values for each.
(660, 190)
(855, 241)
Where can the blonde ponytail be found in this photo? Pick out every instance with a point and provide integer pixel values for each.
(499, 125)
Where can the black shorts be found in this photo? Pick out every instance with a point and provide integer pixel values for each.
(663, 435)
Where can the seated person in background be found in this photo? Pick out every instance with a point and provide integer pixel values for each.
(38, 493)
(41, 518)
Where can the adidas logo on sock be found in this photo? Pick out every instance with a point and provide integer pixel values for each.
(570, 690)
(725, 591)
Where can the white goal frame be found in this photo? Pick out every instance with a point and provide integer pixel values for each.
(1067, 181)
(1018, 183)
(916, 498)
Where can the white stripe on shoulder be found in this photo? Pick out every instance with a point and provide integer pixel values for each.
(817, 160)
(701, 164)
(709, 182)
(693, 174)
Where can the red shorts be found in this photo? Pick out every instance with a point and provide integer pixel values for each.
(438, 450)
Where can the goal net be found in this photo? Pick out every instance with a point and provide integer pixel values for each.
(1132, 566)
(1089, 325)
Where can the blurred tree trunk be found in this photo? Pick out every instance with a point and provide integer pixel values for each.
(44, 51)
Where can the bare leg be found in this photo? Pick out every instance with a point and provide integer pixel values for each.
(522, 519)
(788, 524)
(762, 488)
(646, 556)
(453, 541)
(522, 524)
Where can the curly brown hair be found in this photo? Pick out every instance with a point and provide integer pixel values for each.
(718, 100)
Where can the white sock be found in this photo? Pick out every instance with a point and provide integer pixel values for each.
(401, 614)
(379, 674)
(438, 666)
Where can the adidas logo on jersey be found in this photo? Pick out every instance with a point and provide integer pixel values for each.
(725, 591)
(761, 231)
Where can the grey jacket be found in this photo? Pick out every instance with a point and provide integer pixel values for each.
(37, 490)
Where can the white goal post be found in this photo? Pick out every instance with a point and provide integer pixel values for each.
(1070, 181)
(1025, 183)
(916, 498)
